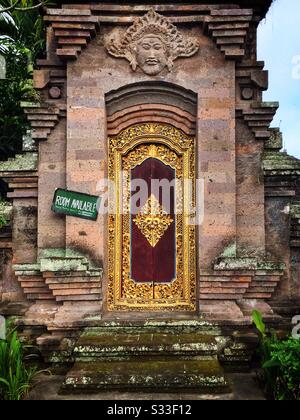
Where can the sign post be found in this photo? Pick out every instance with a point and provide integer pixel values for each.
(76, 204)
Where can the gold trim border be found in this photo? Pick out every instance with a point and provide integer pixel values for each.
(119, 146)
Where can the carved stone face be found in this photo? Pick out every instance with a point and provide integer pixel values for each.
(151, 54)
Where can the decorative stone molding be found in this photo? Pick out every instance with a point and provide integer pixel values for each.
(229, 29)
(20, 173)
(253, 74)
(237, 278)
(43, 118)
(152, 43)
(152, 92)
(252, 80)
(225, 284)
(282, 173)
(61, 275)
(20, 163)
(151, 102)
(73, 29)
(259, 118)
(155, 113)
(280, 164)
(275, 141)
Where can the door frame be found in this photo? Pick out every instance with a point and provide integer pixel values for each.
(119, 146)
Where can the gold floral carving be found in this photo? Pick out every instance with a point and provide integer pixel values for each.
(153, 221)
(127, 150)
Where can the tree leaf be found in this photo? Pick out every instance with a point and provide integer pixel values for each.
(259, 323)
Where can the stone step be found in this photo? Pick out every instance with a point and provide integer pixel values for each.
(111, 344)
(155, 325)
(146, 375)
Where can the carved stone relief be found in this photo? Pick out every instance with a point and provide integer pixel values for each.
(152, 43)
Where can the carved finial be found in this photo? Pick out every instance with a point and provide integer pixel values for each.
(152, 43)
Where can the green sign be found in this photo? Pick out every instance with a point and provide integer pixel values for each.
(76, 204)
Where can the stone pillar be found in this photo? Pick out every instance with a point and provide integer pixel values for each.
(250, 193)
(52, 175)
(216, 165)
(86, 153)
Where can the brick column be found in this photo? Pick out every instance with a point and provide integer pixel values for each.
(52, 175)
(86, 154)
(216, 165)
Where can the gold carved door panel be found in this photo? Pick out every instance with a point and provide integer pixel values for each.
(152, 263)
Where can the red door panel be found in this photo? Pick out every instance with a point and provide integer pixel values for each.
(154, 263)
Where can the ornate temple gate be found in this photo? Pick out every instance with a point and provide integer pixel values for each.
(142, 91)
(148, 223)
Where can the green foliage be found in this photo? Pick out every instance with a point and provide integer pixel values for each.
(22, 40)
(2, 221)
(24, 27)
(280, 361)
(259, 323)
(15, 378)
(16, 88)
(285, 365)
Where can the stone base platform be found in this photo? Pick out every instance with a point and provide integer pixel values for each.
(156, 356)
(100, 353)
(243, 386)
(150, 375)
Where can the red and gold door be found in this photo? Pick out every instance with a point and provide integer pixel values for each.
(151, 236)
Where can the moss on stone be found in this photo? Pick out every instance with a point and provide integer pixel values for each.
(6, 210)
(295, 210)
(27, 104)
(271, 266)
(23, 162)
(275, 141)
(66, 265)
(5, 213)
(146, 374)
(253, 263)
(230, 251)
(26, 269)
(61, 253)
(145, 342)
(61, 260)
(281, 162)
(231, 264)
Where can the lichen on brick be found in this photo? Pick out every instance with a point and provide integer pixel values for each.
(5, 213)
(280, 162)
(236, 264)
(5, 209)
(61, 260)
(23, 162)
(230, 251)
(295, 210)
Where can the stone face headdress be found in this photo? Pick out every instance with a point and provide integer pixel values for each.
(156, 25)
